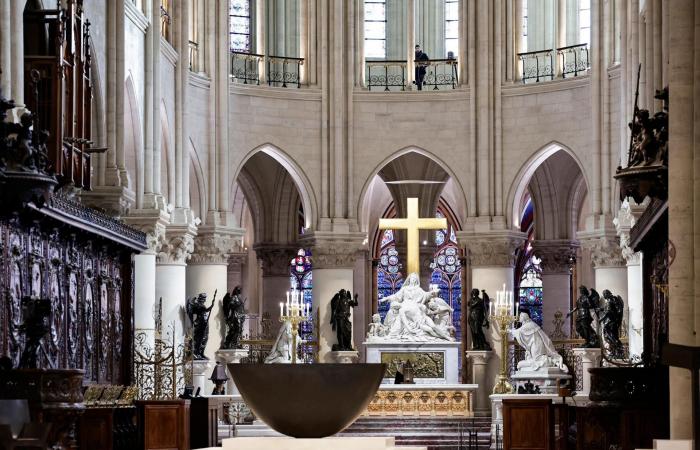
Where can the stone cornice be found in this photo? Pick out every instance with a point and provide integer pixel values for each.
(275, 258)
(493, 248)
(626, 218)
(178, 245)
(332, 250)
(604, 248)
(557, 256)
(136, 17)
(153, 222)
(214, 245)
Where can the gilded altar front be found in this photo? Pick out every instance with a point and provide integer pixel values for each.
(422, 401)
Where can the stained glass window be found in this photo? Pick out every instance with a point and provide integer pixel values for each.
(452, 26)
(389, 276)
(240, 25)
(447, 272)
(301, 279)
(531, 289)
(375, 29)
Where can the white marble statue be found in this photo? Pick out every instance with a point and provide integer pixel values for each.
(540, 353)
(376, 328)
(413, 313)
(281, 352)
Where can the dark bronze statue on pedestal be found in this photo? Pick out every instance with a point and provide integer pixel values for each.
(198, 314)
(234, 315)
(587, 302)
(611, 320)
(340, 319)
(478, 319)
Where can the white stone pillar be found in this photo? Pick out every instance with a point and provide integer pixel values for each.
(492, 259)
(144, 290)
(608, 264)
(17, 68)
(557, 257)
(410, 43)
(479, 362)
(261, 37)
(6, 49)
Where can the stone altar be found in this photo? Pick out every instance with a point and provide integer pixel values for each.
(423, 400)
(433, 362)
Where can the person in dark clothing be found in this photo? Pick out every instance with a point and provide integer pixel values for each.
(421, 62)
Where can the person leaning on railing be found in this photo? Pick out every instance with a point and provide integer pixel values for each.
(422, 62)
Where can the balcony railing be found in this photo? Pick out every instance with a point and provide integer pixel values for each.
(387, 74)
(440, 72)
(194, 55)
(279, 70)
(537, 66)
(282, 70)
(574, 60)
(391, 74)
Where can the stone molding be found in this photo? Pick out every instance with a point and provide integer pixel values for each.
(557, 256)
(238, 258)
(214, 245)
(493, 248)
(154, 223)
(116, 201)
(178, 246)
(479, 357)
(275, 258)
(335, 250)
(605, 250)
(626, 218)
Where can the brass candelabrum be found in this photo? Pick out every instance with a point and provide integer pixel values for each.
(502, 315)
(294, 312)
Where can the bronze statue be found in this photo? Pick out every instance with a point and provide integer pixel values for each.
(611, 321)
(198, 314)
(36, 325)
(340, 319)
(478, 319)
(234, 315)
(585, 304)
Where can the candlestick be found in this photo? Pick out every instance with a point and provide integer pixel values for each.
(503, 317)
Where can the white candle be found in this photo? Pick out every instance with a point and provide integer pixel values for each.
(281, 309)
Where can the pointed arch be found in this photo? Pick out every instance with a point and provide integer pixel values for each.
(522, 180)
(362, 206)
(198, 196)
(133, 141)
(301, 180)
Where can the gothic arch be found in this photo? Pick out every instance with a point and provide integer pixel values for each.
(198, 188)
(301, 180)
(133, 142)
(457, 191)
(525, 174)
(167, 157)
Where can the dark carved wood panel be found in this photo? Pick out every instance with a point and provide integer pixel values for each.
(164, 424)
(528, 424)
(88, 280)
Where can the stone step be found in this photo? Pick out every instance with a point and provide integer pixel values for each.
(676, 444)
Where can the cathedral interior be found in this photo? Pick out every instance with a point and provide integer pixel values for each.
(361, 224)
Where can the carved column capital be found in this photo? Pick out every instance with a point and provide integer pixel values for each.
(626, 218)
(275, 258)
(557, 256)
(154, 223)
(335, 250)
(178, 245)
(605, 249)
(492, 248)
(238, 258)
(213, 245)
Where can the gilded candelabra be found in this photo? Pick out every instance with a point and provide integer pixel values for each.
(294, 312)
(501, 313)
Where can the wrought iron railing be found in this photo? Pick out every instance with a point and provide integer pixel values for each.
(194, 55)
(387, 74)
(282, 70)
(440, 73)
(537, 66)
(245, 67)
(279, 70)
(574, 60)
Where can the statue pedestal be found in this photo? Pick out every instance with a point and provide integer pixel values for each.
(547, 379)
(590, 357)
(345, 357)
(199, 376)
(479, 360)
(435, 362)
(234, 356)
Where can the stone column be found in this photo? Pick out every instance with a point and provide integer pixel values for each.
(634, 303)
(479, 362)
(608, 264)
(557, 258)
(275, 260)
(6, 49)
(17, 49)
(171, 276)
(207, 272)
(492, 259)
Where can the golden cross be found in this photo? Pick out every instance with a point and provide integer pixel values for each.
(413, 224)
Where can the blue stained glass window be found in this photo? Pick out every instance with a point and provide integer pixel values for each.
(389, 276)
(530, 295)
(447, 273)
(301, 279)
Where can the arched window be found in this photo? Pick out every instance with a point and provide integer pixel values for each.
(375, 29)
(447, 272)
(389, 276)
(529, 272)
(301, 279)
